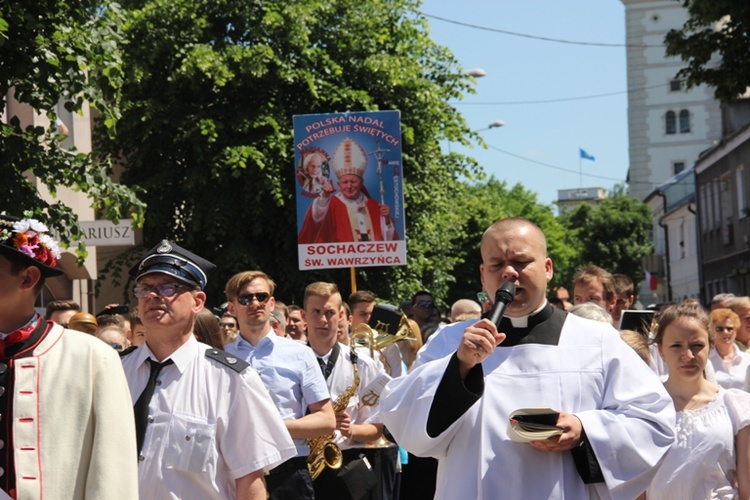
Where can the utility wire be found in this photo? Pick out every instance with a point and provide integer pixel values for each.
(536, 37)
(562, 99)
(576, 172)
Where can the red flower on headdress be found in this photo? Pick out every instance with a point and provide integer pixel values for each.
(43, 254)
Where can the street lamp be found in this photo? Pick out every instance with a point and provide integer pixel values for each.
(495, 124)
(477, 72)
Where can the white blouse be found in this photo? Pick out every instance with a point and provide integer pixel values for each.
(702, 462)
(734, 374)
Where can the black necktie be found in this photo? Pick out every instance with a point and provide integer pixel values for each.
(141, 406)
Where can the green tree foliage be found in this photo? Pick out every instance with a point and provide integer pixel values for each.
(206, 129)
(613, 235)
(486, 202)
(714, 43)
(53, 50)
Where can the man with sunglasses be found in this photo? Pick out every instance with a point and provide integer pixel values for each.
(205, 424)
(425, 312)
(229, 330)
(291, 373)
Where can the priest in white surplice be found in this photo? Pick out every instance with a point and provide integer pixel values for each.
(618, 420)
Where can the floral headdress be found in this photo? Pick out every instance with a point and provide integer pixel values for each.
(29, 238)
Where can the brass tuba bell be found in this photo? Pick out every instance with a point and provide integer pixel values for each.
(386, 327)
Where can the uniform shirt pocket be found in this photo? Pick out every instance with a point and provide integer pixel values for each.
(190, 445)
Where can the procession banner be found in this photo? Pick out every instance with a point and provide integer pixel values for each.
(349, 186)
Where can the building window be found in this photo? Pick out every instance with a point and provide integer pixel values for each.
(678, 167)
(709, 206)
(741, 201)
(675, 85)
(717, 204)
(671, 122)
(704, 209)
(684, 121)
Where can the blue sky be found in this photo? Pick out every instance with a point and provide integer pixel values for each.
(521, 69)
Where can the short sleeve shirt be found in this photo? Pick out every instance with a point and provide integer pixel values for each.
(291, 373)
(208, 425)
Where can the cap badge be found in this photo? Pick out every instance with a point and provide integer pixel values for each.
(164, 247)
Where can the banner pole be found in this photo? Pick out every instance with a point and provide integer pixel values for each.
(353, 278)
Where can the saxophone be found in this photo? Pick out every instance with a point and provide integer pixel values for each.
(323, 450)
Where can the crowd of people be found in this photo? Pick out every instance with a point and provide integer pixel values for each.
(343, 397)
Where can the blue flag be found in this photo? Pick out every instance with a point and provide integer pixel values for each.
(585, 155)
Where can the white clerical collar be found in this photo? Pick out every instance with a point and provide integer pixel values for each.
(523, 321)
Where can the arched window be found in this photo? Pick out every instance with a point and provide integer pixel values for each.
(684, 121)
(671, 122)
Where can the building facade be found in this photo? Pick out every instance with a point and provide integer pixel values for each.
(79, 282)
(722, 186)
(668, 127)
(567, 199)
(675, 262)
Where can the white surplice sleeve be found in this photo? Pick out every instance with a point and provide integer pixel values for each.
(634, 425)
(407, 402)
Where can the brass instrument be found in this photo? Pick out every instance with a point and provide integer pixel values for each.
(324, 452)
(378, 338)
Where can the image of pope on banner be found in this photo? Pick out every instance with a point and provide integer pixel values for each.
(349, 188)
(351, 214)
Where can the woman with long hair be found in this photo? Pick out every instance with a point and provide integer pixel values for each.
(207, 329)
(710, 457)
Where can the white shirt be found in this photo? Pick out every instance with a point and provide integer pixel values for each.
(391, 354)
(702, 462)
(371, 382)
(208, 425)
(734, 374)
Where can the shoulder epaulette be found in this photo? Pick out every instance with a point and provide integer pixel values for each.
(128, 351)
(227, 359)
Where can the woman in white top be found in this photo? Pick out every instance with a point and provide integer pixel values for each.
(711, 454)
(729, 361)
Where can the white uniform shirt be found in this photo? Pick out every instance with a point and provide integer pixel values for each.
(341, 379)
(208, 425)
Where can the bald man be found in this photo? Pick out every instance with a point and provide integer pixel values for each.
(471, 376)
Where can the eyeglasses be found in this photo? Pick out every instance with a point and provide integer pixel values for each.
(425, 303)
(227, 325)
(246, 298)
(728, 329)
(117, 347)
(165, 290)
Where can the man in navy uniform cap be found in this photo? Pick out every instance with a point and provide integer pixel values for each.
(66, 430)
(205, 424)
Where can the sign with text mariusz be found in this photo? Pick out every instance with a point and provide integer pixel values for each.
(350, 190)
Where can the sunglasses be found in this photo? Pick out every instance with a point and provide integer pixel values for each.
(227, 325)
(165, 290)
(727, 329)
(425, 303)
(246, 298)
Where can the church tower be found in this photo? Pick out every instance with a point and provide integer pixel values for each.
(668, 127)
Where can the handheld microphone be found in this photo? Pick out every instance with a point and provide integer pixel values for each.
(503, 297)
